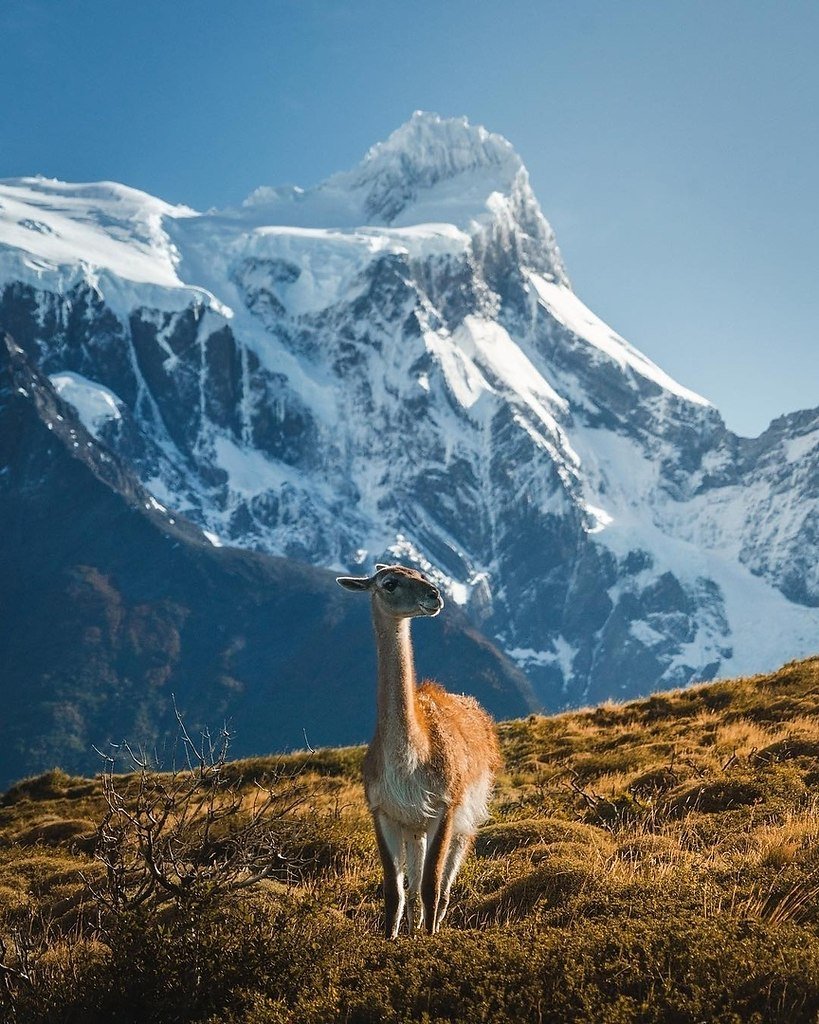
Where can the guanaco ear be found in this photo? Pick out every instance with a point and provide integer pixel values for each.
(380, 565)
(354, 582)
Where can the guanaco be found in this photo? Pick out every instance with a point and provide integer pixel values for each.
(430, 768)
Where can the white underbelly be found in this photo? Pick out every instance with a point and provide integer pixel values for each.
(405, 797)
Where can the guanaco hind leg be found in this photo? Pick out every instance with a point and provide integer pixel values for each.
(434, 864)
(391, 848)
(458, 849)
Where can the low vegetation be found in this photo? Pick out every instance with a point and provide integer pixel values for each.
(656, 861)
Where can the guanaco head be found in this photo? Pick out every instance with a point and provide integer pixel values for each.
(401, 592)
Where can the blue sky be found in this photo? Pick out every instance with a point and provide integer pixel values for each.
(673, 146)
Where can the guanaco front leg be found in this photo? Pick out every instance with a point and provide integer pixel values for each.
(415, 845)
(391, 848)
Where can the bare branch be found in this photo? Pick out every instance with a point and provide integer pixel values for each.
(193, 832)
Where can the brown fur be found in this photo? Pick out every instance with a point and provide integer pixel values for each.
(462, 737)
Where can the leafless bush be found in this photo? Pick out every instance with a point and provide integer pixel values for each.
(195, 831)
(174, 842)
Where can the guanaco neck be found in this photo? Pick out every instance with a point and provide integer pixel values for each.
(399, 722)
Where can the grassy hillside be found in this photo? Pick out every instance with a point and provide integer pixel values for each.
(654, 861)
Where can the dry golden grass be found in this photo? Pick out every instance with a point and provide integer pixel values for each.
(650, 861)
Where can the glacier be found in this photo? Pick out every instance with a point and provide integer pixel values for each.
(394, 364)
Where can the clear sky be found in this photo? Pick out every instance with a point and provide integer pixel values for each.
(673, 146)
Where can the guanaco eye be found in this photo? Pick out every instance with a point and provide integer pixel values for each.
(390, 585)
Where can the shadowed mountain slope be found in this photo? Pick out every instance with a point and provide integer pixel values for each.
(109, 604)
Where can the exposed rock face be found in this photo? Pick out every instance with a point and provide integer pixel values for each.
(393, 364)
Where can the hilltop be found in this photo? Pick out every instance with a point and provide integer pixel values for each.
(649, 861)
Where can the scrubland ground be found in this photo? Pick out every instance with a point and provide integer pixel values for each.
(654, 861)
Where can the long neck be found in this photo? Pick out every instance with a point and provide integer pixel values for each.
(398, 717)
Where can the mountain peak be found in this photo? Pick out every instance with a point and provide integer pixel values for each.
(430, 169)
(437, 147)
(430, 150)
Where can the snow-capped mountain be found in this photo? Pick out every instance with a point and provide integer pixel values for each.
(394, 364)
